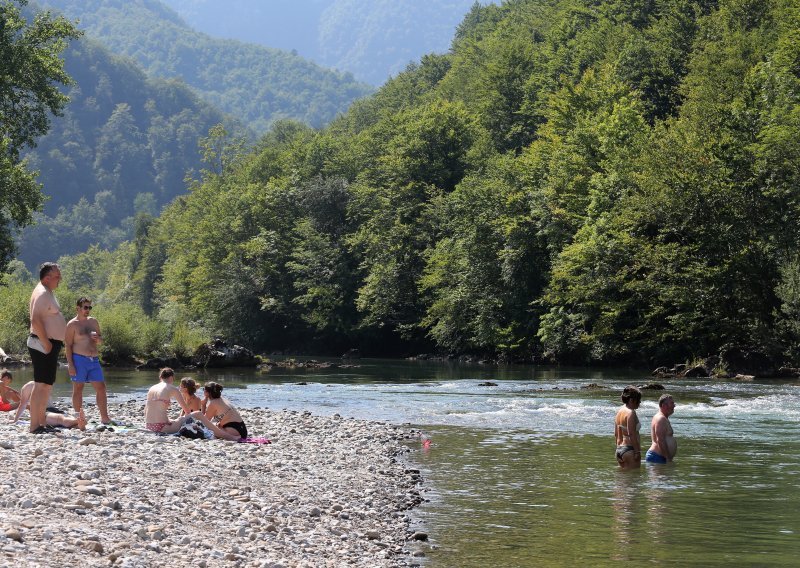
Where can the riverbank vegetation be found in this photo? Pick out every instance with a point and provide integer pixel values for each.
(598, 182)
(129, 334)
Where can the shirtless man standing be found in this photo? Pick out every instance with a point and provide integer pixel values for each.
(82, 338)
(48, 328)
(664, 446)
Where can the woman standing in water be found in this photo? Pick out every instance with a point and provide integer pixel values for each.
(626, 429)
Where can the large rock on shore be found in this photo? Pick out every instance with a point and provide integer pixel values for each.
(218, 354)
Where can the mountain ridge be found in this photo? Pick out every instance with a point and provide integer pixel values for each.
(258, 85)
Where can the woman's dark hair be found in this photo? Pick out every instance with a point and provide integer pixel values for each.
(631, 393)
(166, 372)
(189, 385)
(213, 389)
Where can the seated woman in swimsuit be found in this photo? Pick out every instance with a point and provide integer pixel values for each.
(188, 388)
(230, 425)
(626, 429)
(9, 398)
(159, 398)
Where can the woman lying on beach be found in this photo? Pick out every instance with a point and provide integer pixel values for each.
(188, 388)
(51, 418)
(230, 425)
(159, 398)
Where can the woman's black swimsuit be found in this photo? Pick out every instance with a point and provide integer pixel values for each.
(622, 450)
(238, 426)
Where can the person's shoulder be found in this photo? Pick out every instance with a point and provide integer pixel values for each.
(73, 321)
(38, 293)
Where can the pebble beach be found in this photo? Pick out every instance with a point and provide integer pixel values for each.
(327, 491)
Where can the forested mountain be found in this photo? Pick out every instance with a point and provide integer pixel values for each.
(256, 84)
(606, 181)
(124, 144)
(31, 77)
(373, 40)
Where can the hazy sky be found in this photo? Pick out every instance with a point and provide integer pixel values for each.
(372, 39)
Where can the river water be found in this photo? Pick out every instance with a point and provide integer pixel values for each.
(523, 473)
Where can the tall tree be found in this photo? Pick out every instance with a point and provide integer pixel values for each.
(30, 67)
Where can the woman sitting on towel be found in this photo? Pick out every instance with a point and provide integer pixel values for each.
(230, 425)
(159, 398)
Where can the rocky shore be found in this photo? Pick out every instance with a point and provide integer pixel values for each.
(326, 492)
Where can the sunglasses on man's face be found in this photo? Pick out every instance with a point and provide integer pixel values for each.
(87, 308)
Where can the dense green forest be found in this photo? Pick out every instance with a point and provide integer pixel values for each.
(373, 40)
(123, 145)
(255, 84)
(31, 77)
(605, 181)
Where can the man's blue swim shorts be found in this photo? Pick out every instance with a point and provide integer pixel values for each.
(87, 369)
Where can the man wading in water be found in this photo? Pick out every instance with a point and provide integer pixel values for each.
(664, 445)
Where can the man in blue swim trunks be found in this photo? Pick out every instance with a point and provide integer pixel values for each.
(81, 341)
(664, 446)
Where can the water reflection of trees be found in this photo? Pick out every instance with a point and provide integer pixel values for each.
(626, 503)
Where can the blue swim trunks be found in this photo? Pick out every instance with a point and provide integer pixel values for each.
(87, 369)
(654, 457)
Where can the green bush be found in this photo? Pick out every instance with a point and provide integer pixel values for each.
(14, 320)
(186, 338)
(153, 338)
(128, 332)
(788, 320)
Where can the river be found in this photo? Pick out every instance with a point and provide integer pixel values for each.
(523, 473)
